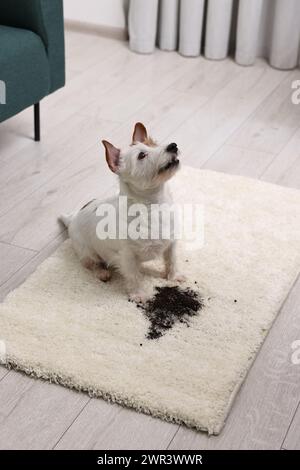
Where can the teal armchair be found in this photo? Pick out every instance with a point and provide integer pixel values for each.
(32, 58)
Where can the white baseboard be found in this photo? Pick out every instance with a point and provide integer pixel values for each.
(101, 30)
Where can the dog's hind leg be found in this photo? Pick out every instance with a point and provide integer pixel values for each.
(102, 271)
(88, 259)
(97, 264)
(88, 263)
(100, 267)
(87, 256)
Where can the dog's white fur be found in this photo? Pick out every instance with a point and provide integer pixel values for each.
(142, 180)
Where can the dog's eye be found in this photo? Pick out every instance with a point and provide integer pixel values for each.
(141, 155)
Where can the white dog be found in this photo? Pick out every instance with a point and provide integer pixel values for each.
(143, 169)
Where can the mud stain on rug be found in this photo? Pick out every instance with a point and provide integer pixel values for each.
(169, 306)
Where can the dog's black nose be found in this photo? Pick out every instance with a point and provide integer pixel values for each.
(172, 148)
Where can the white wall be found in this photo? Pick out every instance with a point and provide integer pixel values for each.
(99, 12)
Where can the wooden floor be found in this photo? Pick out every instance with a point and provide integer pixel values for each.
(223, 117)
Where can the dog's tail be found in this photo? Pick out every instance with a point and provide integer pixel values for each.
(66, 219)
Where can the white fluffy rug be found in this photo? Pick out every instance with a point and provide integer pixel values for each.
(64, 325)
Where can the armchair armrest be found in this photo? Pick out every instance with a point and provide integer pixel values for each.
(45, 18)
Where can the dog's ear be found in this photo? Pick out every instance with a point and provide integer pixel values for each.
(112, 155)
(139, 133)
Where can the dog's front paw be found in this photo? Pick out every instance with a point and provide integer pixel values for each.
(177, 277)
(137, 297)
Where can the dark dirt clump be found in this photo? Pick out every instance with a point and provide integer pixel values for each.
(168, 306)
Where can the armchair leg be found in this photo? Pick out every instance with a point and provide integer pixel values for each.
(37, 129)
